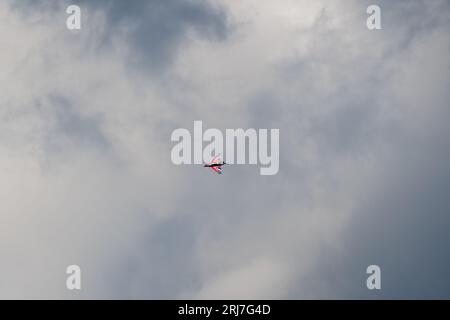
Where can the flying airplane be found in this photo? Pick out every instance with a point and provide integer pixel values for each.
(215, 164)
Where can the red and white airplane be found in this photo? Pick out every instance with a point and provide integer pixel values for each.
(216, 164)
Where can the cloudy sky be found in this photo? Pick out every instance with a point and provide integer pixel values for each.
(86, 176)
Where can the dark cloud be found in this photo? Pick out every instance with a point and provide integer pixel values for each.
(155, 29)
(71, 127)
(337, 108)
(402, 226)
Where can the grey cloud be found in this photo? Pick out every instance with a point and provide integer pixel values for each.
(72, 127)
(155, 29)
(402, 227)
(363, 169)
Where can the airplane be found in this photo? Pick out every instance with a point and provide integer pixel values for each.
(215, 164)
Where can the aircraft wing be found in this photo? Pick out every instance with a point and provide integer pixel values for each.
(216, 159)
(217, 169)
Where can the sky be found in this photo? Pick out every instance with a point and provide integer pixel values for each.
(87, 179)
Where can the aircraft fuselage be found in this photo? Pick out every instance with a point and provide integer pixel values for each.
(214, 165)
